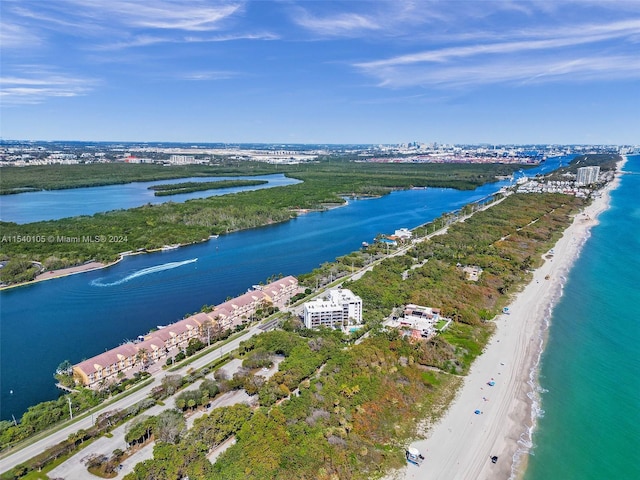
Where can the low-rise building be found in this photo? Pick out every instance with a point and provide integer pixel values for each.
(280, 291)
(341, 308)
(403, 234)
(162, 343)
(472, 272)
(418, 321)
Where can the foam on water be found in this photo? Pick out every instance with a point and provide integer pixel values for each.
(589, 426)
(525, 441)
(99, 282)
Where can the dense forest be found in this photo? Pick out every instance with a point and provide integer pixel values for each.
(606, 162)
(188, 187)
(58, 177)
(152, 226)
(338, 410)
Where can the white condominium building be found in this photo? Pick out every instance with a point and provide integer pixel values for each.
(587, 175)
(340, 308)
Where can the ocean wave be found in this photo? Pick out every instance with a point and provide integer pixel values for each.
(525, 441)
(526, 446)
(98, 282)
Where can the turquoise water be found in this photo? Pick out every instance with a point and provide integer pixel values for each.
(590, 369)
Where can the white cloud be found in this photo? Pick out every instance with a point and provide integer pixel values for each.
(35, 84)
(341, 24)
(579, 36)
(17, 36)
(524, 71)
(159, 14)
(387, 18)
(209, 75)
(576, 52)
(232, 37)
(171, 15)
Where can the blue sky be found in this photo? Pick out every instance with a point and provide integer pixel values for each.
(321, 71)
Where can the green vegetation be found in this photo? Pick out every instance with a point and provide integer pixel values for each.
(179, 457)
(505, 241)
(44, 415)
(188, 187)
(341, 410)
(103, 425)
(58, 177)
(61, 243)
(606, 162)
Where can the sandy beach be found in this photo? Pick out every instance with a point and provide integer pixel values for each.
(63, 272)
(69, 271)
(461, 444)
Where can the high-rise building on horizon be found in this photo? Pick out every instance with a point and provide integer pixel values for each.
(587, 175)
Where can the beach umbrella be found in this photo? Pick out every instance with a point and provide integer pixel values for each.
(477, 412)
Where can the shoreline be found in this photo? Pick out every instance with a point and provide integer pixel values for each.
(89, 266)
(93, 265)
(64, 272)
(460, 444)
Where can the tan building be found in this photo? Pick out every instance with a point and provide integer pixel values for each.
(158, 345)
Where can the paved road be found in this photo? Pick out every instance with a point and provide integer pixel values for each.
(30, 451)
(75, 467)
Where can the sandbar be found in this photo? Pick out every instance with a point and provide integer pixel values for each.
(62, 272)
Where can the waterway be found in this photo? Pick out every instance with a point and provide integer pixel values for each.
(79, 316)
(31, 207)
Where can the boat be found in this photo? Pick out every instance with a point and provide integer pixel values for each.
(413, 456)
(214, 236)
(170, 247)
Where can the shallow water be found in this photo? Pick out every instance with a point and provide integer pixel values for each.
(590, 369)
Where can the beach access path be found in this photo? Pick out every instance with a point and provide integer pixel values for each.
(461, 444)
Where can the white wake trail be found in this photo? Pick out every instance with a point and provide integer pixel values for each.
(140, 273)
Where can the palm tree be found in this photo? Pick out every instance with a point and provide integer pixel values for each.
(141, 356)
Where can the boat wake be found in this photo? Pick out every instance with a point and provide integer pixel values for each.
(98, 282)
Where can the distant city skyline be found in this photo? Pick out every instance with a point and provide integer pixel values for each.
(340, 72)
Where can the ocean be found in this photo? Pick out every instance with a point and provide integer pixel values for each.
(588, 425)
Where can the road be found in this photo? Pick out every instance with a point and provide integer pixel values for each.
(75, 468)
(30, 451)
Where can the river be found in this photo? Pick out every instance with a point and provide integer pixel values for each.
(55, 204)
(79, 316)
